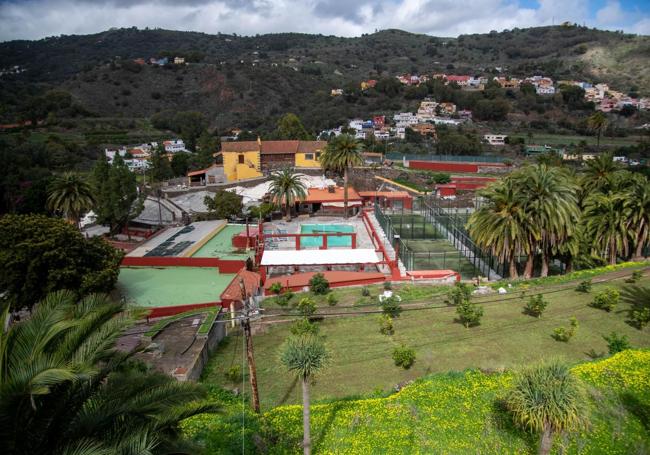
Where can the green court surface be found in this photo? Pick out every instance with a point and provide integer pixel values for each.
(220, 246)
(331, 241)
(439, 254)
(169, 286)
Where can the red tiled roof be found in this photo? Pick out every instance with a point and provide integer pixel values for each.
(386, 194)
(315, 195)
(251, 284)
(311, 146)
(201, 171)
(279, 147)
(240, 146)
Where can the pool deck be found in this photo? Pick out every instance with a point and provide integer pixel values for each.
(295, 227)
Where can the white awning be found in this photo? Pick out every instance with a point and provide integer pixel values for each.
(341, 204)
(320, 257)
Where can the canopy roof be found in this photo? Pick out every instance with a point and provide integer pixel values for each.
(319, 257)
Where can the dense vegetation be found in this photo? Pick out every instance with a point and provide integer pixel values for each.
(244, 81)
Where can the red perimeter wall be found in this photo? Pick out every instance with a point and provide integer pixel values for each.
(224, 265)
(164, 311)
(446, 166)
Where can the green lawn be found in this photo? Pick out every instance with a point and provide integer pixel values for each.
(361, 356)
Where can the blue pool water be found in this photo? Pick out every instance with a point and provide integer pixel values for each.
(311, 242)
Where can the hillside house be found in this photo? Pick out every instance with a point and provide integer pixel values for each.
(250, 159)
(462, 81)
(545, 90)
(495, 139)
(208, 176)
(174, 146)
(179, 60)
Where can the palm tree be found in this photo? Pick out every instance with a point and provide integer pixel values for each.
(597, 122)
(640, 221)
(304, 355)
(342, 153)
(70, 194)
(600, 173)
(607, 223)
(65, 389)
(286, 188)
(500, 225)
(551, 206)
(546, 399)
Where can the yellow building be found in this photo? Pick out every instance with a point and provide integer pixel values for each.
(309, 152)
(241, 160)
(250, 159)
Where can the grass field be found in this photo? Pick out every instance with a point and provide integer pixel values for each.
(361, 356)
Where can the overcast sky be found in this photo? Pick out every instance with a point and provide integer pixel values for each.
(33, 19)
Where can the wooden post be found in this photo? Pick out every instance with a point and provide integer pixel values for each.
(246, 324)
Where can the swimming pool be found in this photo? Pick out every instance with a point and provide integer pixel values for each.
(343, 241)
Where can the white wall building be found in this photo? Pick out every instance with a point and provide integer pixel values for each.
(495, 139)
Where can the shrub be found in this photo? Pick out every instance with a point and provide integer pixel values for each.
(606, 299)
(386, 325)
(460, 293)
(617, 343)
(276, 288)
(388, 285)
(332, 300)
(640, 317)
(536, 305)
(306, 306)
(234, 374)
(284, 299)
(391, 307)
(404, 356)
(303, 327)
(564, 334)
(365, 291)
(636, 276)
(584, 286)
(319, 285)
(469, 314)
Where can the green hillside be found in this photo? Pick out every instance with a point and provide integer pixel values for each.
(454, 413)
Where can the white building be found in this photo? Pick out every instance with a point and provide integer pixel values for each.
(174, 146)
(495, 139)
(404, 119)
(545, 90)
(356, 124)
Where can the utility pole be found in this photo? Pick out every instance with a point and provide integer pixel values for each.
(246, 325)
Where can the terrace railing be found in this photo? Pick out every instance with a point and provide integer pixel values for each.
(403, 251)
(396, 156)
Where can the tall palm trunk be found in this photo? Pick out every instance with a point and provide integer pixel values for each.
(612, 251)
(640, 243)
(513, 269)
(545, 261)
(306, 439)
(345, 191)
(288, 214)
(546, 442)
(528, 269)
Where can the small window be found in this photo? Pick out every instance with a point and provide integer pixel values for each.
(317, 155)
(309, 156)
(241, 159)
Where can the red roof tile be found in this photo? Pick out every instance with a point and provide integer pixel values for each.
(240, 146)
(315, 195)
(251, 284)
